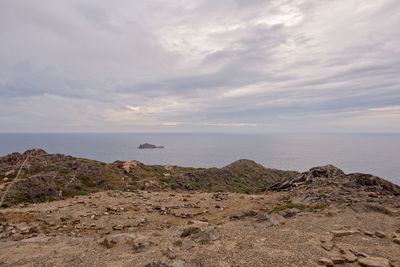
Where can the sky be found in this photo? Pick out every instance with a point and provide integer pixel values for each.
(245, 66)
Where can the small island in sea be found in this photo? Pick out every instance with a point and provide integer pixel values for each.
(149, 146)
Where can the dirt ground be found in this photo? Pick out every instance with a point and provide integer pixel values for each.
(72, 232)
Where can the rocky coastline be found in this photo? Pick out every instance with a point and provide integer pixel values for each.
(60, 210)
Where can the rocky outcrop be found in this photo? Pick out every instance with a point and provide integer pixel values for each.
(329, 175)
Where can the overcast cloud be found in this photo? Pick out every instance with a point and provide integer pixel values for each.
(213, 66)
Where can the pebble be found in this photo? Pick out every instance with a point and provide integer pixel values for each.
(325, 262)
(380, 234)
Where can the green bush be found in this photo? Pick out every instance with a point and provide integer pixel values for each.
(64, 171)
(86, 181)
(72, 193)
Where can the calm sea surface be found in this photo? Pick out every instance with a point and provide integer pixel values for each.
(378, 154)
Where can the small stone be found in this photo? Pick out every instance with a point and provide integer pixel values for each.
(142, 246)
(374, 262)
(325, 262)
(118, 227)
(380, 234)
(397, 240)
(339, 233)
(267, 220)
(17, 237)
(118, 239)
(190, 230)
(328, 245)
(187, 244)
(368, 233)
(338, 260)
(350, 257)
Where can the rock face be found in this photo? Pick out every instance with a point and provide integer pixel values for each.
(148, 146)
(328, 184)
(330, 175)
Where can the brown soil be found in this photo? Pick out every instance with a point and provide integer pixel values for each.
(70, 232)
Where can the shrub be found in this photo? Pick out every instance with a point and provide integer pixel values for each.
(64, 171)
(174, 186)
(86, 181)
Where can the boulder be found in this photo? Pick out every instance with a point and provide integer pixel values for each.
(128, 165)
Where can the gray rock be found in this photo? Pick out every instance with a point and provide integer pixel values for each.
(267, 220)
(189, 231)
(187, 244)
(142, 246)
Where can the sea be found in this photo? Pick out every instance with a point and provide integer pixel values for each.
(377, 154)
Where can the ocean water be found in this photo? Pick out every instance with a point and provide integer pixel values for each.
(378, 154)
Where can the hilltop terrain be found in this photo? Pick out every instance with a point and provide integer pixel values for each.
(64, 211)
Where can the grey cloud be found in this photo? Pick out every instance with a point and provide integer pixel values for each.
(76, 65)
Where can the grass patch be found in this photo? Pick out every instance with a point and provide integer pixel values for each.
(174, 186)
(219, 189)
(134, 180)
(86, 181)
(194, 184)
(111, 177)
(64, 171)
(72, 193)
(166, 180)
(21, 197)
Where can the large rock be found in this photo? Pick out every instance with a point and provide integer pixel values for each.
(328, 176)
(128, 165)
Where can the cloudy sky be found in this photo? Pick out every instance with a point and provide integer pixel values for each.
(200, 66)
